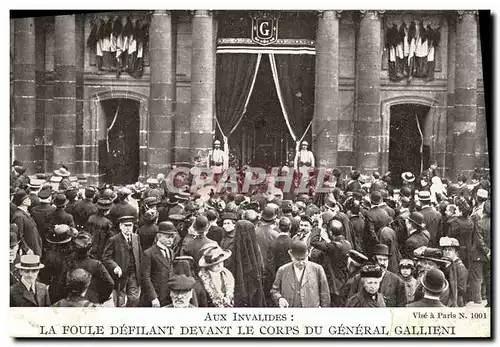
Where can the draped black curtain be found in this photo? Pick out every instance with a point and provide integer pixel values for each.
(235, 73)
(296, 78)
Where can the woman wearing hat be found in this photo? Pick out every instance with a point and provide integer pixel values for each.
(100, 227)
(28, 235)
(55, 256)
(60, 216)
(28, 292)
(216, 279)
(368, 296)
(406, 268)
(64, 174)
(101, 284)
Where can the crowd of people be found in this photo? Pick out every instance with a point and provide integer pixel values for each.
(363, 243)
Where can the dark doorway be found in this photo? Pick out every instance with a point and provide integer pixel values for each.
(119, 151)
(263, 138)
(408, 150)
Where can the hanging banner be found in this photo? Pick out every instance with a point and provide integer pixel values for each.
(264, 28)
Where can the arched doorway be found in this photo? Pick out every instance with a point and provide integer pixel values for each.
(409, 140)
(119, 143)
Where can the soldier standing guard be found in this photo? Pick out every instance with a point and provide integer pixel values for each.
(218, 159)
(304, 160)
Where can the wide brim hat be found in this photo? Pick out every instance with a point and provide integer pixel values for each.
(62, 172)
(19, 197)
(36, 183)
(268, 214)
(104, 204)
(30, 262)
(435, 281)
(60, 235)
(108, 193)
(214, 256)
(176, 217)
(408, 176)
(424, 195)
(59, 201)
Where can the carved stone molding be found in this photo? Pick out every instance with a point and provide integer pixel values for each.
(462, 13)
(372, 14)
(336, 13)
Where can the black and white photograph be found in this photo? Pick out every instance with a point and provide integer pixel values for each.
(251, 159)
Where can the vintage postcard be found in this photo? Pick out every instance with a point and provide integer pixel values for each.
(250, 173)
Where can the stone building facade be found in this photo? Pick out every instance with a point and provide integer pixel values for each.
(61, 102)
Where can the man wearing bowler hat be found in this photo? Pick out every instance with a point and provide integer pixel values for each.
(122, 207)
(28, 235)
(28, 292)
(434, 284)
(392, 286)
(300, 283)
(157, 268)
(122, 257)
(418, 236)
(432, 218)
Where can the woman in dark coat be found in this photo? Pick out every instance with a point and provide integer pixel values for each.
(248, 290)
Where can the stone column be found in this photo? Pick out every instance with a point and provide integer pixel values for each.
(450, 100)
(24, 91)
(64, 118)
(41, 161)
(202, 82)
(465, 110)
(327, 96)
(367, 131)
(162, 92)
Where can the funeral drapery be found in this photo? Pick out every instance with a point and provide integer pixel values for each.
(412, 48)
(235, 78)
(294, 79)
(119, 47)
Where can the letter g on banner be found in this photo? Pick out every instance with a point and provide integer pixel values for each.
(264, 28)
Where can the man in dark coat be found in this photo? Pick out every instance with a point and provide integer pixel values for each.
(463, 190)
(456, 273)
(357, 221)
(376, 219)
(100, 228)
(71, 194)
(147, 232)
(387, 236)
(28, 292)
(122, 257)
(282, 244)
(157, 268)
(181, 291)
(434, 284)
(42, 211)
(479, 271)
(28, 232)
(84, 208)
(335, 249)
(215, 232)
(14, 257)
(60, 216)
(122, 207)
(432, 218)
(353, 184)
(418, 235)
